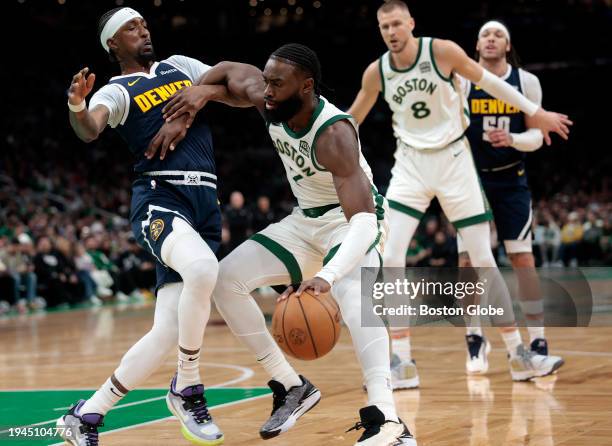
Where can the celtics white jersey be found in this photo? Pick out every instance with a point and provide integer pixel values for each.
(311, 183)
(429, 110)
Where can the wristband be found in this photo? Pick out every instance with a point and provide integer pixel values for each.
(77, 108)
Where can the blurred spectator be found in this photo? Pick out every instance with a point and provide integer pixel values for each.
(56, 277)
(238, 219)
(137, 270)
(416, 253)
(263, 215)
(443, 251)
(18, 260)
(105, 272)
(571, 236)
(591, 240)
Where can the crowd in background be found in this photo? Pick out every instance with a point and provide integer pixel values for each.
(64, 205)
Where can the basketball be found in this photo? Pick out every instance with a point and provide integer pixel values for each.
(307, 327)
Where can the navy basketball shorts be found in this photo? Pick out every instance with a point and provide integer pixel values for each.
(510, 200)
(155, 204)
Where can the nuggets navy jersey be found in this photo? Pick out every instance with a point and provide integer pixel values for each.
(489, 113)
(136, 102)
(183, 185)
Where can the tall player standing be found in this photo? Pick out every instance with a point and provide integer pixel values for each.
(174, 215)
(500, 136)
(336, 229)
(417, 78)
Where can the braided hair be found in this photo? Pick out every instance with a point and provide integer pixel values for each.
(101, 23)
(303, 58)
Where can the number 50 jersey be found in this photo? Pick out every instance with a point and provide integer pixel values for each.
(429, 110)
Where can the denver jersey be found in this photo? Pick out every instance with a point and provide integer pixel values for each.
(136, 101)
(311, 184)
(489, 113)
(428, 109)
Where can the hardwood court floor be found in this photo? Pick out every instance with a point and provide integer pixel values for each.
(79, 349)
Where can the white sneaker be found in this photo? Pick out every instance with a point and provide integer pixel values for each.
(525, 364)
(404, 374)
(381, 432)
(478, 350)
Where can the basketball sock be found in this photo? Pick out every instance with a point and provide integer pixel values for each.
(474, 331)
(144, 357)
(512, 339)
(241, 312)
(105, 397)
(189, 255)
(535, 333)
(188, 371)
(371, 344)
(401, 347)
(275, 364)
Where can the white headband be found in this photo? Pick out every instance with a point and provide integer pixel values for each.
(494, 24)
(117, 20)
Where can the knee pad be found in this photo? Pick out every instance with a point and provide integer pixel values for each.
(200, 273)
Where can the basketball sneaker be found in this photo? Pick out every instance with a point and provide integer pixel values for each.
(478, 349)
(189, 406)
(404, 374)
(540, 346)
(526, 364)
(77, 429)
(381, 432)
(288, 406)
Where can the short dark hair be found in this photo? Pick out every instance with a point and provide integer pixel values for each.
(390, 5)
(304, 58)
(101, 23)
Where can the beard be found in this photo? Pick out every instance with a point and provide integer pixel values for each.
(284, 111)
(146, 56)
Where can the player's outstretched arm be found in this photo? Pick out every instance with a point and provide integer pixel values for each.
(86, 124)
(337, 150)
(232, 83)
(366, 97)
(452, 56)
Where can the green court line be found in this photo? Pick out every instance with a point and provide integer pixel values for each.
(18, 409)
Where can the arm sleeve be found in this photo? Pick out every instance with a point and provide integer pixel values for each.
(532, 139)
(362, 233)
(500, 89)
(112, 97)
(193, 67)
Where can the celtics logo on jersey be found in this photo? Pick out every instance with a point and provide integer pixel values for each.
(304, 148)
(156, 228)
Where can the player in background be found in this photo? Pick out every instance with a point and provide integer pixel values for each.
(174, 214)
(337, 228)
(418, 79)
(500, 136)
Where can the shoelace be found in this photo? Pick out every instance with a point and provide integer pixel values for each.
(197, 406)
(361, 425)
(91, 433)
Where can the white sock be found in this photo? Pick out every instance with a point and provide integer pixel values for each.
(401, 347)
(379, 389)
(188, 369)
(474, 331)
(274, 362)
(535, 333)
(105, 398)
(512, 340)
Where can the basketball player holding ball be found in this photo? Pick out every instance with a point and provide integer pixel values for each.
(337, 228)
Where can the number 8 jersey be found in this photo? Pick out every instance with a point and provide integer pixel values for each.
(429, 110)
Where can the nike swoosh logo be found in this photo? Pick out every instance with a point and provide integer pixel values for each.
(457, 154)
(133, 82)
(113, 390)
(193, 359)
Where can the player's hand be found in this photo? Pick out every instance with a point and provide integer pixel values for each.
(500, 138)
(168, 137)
(552, 122)
(189, 100)
(81, 86)
(318, 285)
